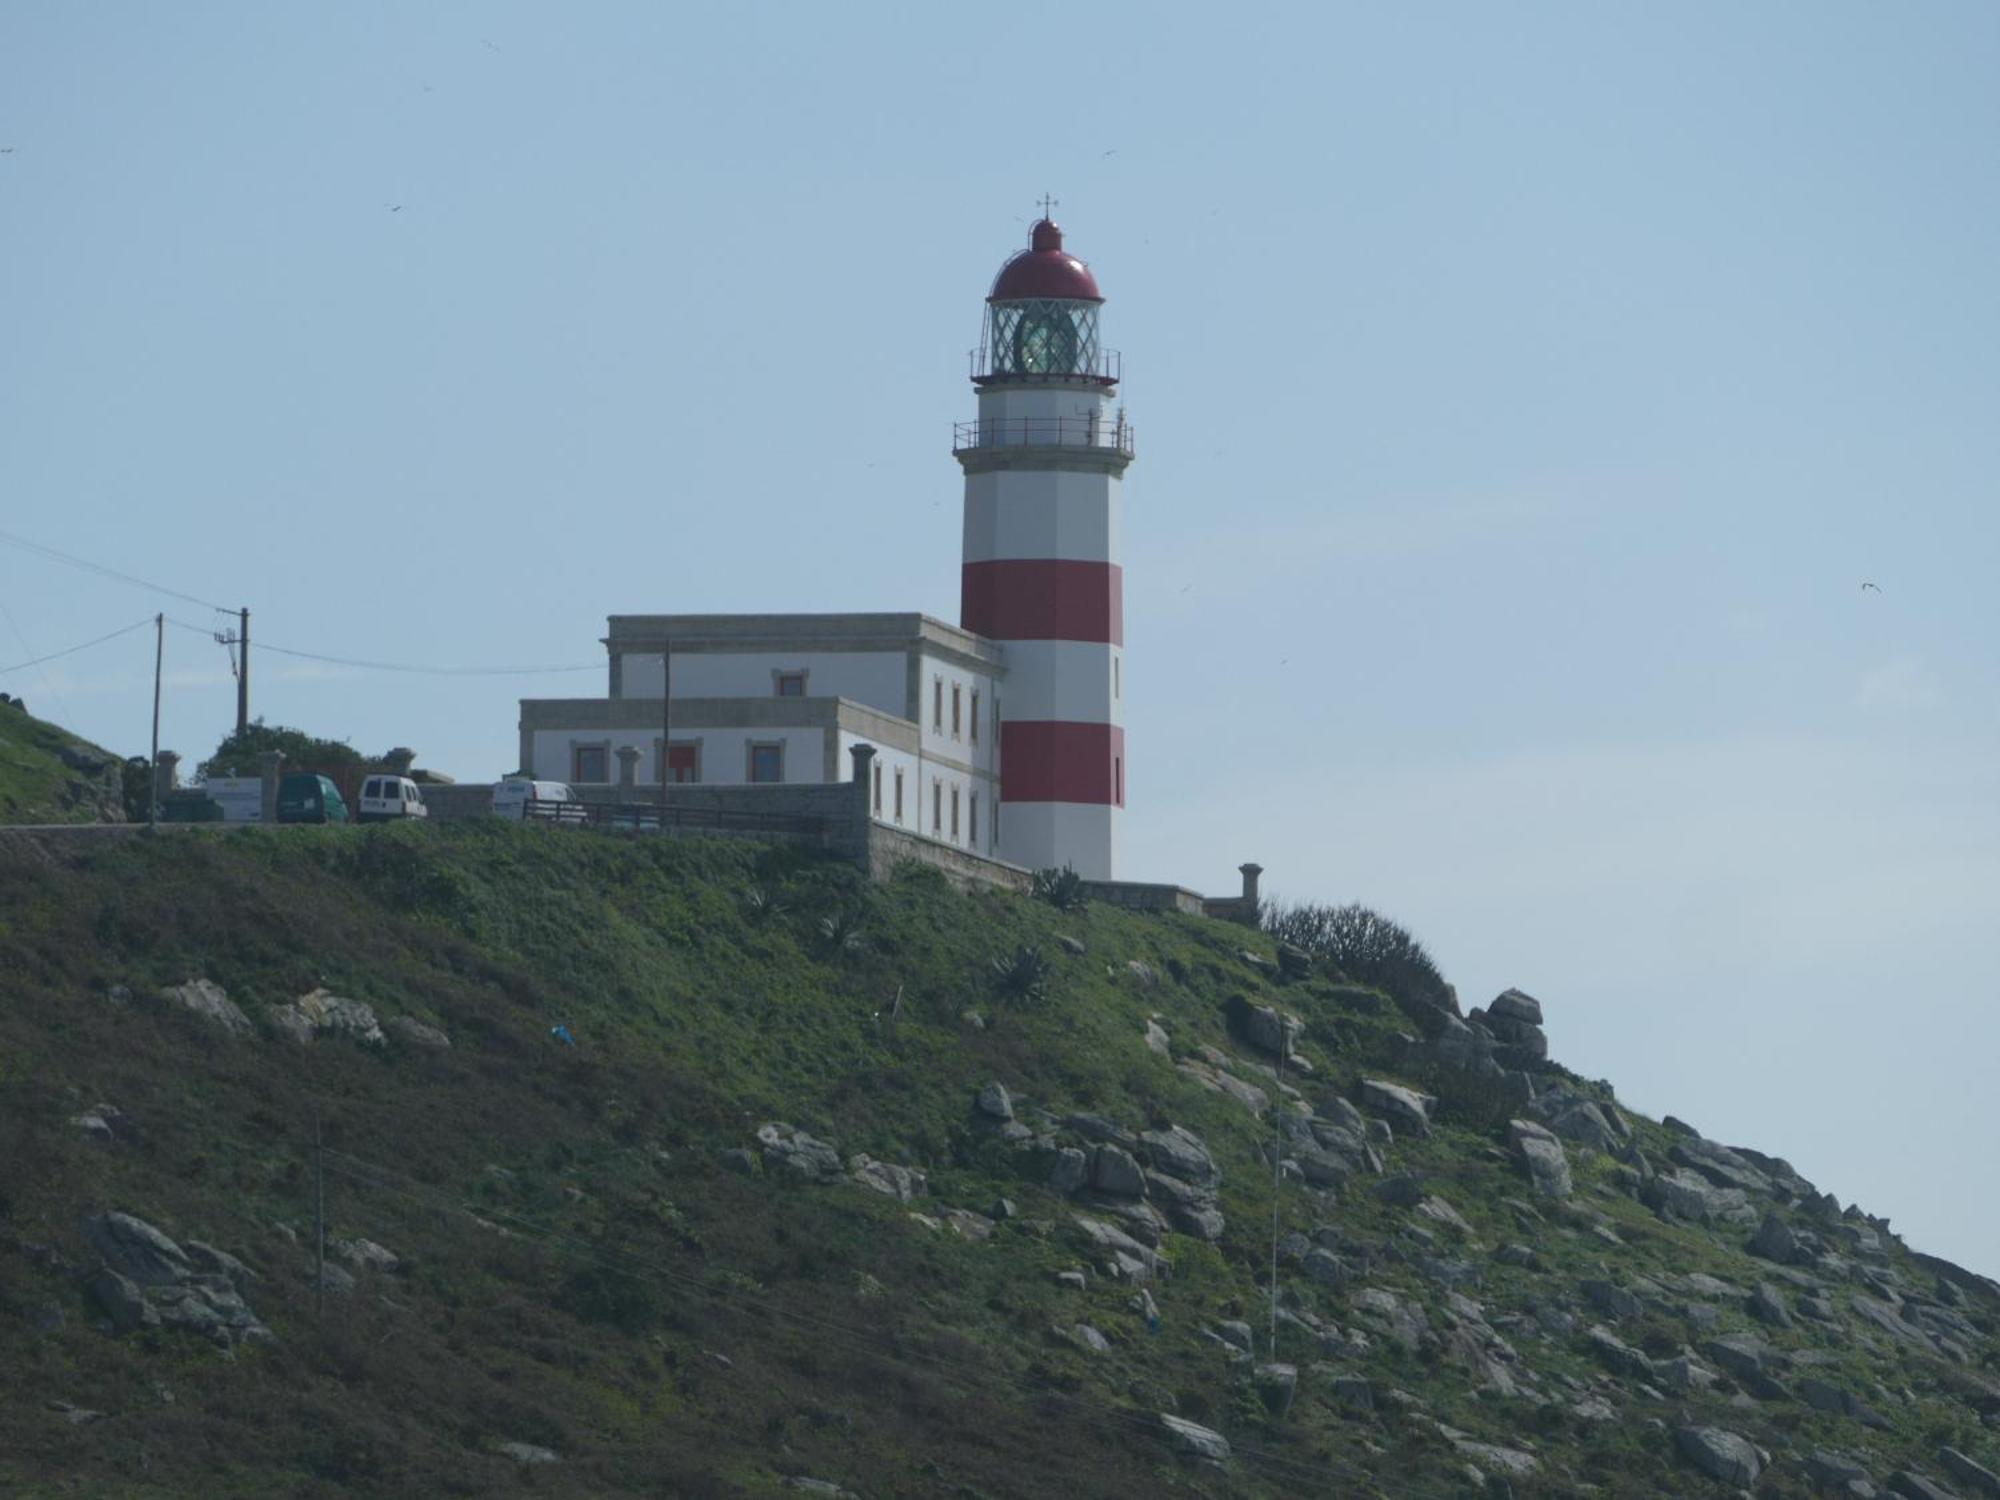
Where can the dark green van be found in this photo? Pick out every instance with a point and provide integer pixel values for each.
(304, 797)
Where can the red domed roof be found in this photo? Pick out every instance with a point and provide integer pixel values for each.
(1044, 269)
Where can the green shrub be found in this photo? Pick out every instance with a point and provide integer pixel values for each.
(1363, 946)
(1062, 889)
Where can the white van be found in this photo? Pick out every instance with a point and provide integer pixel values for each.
(386, 797)
(518, 798)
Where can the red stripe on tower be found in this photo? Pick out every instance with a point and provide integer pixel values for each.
(1043, 760)
(1044, 599)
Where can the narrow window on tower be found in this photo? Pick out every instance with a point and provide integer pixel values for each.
(791, 684)
(973, 727)
(899, 794)
(954, 710)
(878, 789)
(1116, 690)
(1118, 780)
(993, 838)
(972, 821)
(937, 807)
(937, 704)
(954, 813)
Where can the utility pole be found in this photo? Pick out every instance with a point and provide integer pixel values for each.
(153, 764)
(666, 718)
(243, 671)
(319, 1220)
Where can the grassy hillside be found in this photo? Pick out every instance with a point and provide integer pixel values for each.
(596, 1257)
(48, 775)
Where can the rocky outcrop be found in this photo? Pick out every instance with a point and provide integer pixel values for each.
(321, 1010)
(410, 1030)
(1404, 1108)
(145, 1280)
(898, 1182)
(1264, 1027)
(789, 1149)
(207, 999)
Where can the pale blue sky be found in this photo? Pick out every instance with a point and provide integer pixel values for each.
(1523, 395)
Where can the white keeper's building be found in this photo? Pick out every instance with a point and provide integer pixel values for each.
(1002, 735)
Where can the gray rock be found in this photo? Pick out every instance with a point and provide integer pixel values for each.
(366, 1255)
(208, 1260)
(1114, 1172)
(898, 1182)
(135, 1249)
(1584, 1124)
(1070, 1172)
(1833, 1471)
(1975, 1476)
(995, 1102)
(789, 1147)
(1352, 1392)
(1617, 1355)
(321, 1010)
(211, 1002)
(1684, 1375)
(1610, 1299)
(1914, 1486)
(739, 1160)
(1142, 973)
(1195, 1442)
(1157, 1040)
(1541, 1157)
(415, 1033)
(1326, 1268)
(1087, 1337)
(1404, 1107)
(120, 1300)
(1767, 1305)
(1076, 1281)
(1741, 1354)
(1277, 1384)
(528, 1453)
(1513, 1005)
(1236, 1334)
(1774, 1240)
(337, 1279)
(1181, 1153)
(1264, 1027)
(1720, 1454)
(1075, 947)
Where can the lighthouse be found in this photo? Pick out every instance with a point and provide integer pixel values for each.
(1044, 464)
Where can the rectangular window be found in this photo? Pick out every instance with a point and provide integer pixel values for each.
(899, 794)
(791, 684)
(937, 807)
(954, 812)
(973, 728)
(937, 704)
(590, 763)
(972, 821)
(767, 763)
(993, 838)
(878, 789)
(954, 710)
(1118, 779)
(1115, 677)
(683, 760)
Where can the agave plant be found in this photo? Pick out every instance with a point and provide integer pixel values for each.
(762, 904)
(1023, 975)
(841, 931)
(1062, 889)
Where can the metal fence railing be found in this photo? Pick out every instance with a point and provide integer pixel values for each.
(1054, 432)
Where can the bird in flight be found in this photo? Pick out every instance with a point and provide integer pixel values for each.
(1865, 587)
(395, 208)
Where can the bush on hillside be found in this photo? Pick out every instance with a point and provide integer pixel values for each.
(1062, 889)
(1363, 945)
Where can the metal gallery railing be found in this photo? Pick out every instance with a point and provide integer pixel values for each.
(1037, 432)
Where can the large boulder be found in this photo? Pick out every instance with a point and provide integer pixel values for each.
(145, 1280)
(1720, 1454)
(1541, 1157)
(1114, 1173)
(898, 1182)
(1514, 1005)
(1194, 1442)
(321, 1010)
(1404, 1108)
(802, 1155)
(1975, 1476)
(207, 999)
(1264, 1027)
(135, 1249)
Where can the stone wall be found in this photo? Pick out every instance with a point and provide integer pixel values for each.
(889, 847)
(1136, 895)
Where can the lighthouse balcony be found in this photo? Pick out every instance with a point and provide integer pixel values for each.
(1043, 432)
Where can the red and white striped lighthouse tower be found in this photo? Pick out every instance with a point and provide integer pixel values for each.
(1043, 468)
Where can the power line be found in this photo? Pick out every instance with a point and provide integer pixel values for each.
(72, 560)
(392, 666)
(72, 650)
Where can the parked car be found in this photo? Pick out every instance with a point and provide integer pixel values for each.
(387, 797)
(307, 797)
(519, 798)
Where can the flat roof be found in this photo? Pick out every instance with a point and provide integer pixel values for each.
(792, 632)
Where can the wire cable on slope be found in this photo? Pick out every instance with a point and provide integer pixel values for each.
(72, 560)
(72, 650)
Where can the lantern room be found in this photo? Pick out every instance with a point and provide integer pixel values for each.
(1041, 318)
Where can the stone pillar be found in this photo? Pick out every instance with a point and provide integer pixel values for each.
(862, 817)
(628, 767)
(271, 767)
(1248, 915)
(166, 775)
